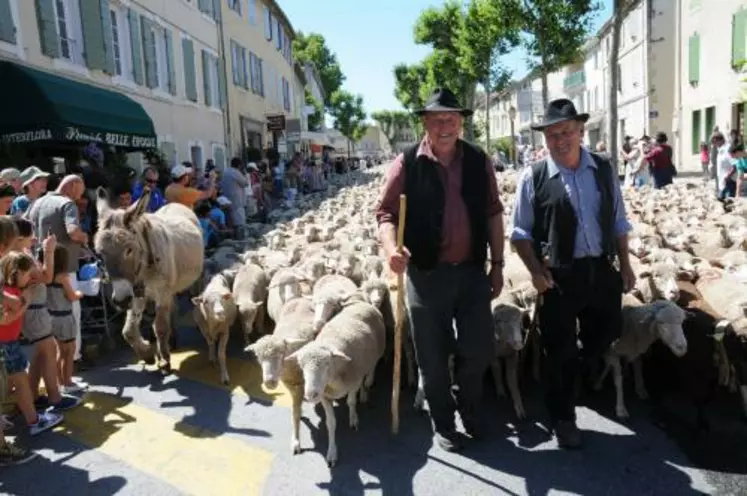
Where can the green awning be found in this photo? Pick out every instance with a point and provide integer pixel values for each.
(38, 106)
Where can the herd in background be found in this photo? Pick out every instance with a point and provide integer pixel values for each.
(317, 272)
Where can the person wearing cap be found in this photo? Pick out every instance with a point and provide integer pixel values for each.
(149, 179)
(454, 214)
(179, 190)
(11, 176)
(569, 226)
(661, 160)
(34, 184)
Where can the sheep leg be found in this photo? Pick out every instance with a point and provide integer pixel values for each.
(620, 410)
(603, 375)
(211, 349)
(222, 342)
(497, 369)
(419, 402)
(329, 414)
(367, 383)
(353, 410)
(297, 397)
(512, 378)
(640, 386)
(259, 321)
(743, 393)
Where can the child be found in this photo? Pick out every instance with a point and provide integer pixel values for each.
(37, 327)
(60, 298)
(16, 270)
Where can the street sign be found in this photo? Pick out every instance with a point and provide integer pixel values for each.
(276, 122)
(653, 114)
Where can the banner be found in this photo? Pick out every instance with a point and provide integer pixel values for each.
(75, 135)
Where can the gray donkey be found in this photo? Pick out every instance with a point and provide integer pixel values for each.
(149, 257)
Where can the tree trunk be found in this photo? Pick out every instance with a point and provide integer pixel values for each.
(469, 102)
(487, 116)
(612, 83)
(545, 91)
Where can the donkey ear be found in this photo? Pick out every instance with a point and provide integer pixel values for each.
(138, 208)
(102, 201)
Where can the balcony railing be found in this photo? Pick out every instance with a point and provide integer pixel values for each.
(575, 80)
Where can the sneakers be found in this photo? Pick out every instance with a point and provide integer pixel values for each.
(44, 422)
(567, 435)
(5, 423)
(75, 387)
(66, 403)
(10, 454)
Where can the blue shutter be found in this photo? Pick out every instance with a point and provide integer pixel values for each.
(208, 96)
(190, 76)
(7, 28)
(47, 20)
(169, 39)
(137, 47)
(106, 22)
(222, 90)
(149, 51)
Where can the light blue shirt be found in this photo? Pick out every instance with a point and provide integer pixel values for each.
(581, 187)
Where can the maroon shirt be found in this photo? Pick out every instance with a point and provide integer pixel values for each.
(660, 157)
(456, 243)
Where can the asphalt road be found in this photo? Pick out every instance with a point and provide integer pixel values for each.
(141, 433)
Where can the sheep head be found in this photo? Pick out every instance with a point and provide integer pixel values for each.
(214, 306)
(270, 352)
(667, 318)
(319, 363)
(509, 322)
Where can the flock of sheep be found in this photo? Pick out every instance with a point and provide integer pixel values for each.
(317, 272)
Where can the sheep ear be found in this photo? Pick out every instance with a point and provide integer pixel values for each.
(685, 275)
(341, 355)
(250, 349)
(197, 300)
(226, 296)
(294, 341)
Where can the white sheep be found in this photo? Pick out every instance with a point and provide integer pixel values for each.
(294, 329)
(284, 285)
(328, 294)
(642, 324)
(340, 362)
(250, 294)
(215, 312)
(509, 322)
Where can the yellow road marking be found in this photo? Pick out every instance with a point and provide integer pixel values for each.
(194, 460)
(245, 376)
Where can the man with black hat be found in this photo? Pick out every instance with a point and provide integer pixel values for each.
(453, 214)
(569, 225)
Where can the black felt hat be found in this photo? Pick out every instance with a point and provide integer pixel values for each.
(443, 100)
(560, 110)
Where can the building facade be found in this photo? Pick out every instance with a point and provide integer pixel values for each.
(710, 89)
(165, 57)
(373, 144)
(257, 38)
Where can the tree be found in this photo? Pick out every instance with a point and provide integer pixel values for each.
(408, 88)
(491, 30)
(554, 31)
(349, 116)
(312, 48)
(391, 123)
(315, 119)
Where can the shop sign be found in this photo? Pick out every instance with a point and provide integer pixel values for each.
(276, 122)
(113, 139)
(27, 136)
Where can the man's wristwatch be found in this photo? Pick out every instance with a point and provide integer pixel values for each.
(498, 262)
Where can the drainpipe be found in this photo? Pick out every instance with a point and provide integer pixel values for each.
(677, 114)
(227, 108)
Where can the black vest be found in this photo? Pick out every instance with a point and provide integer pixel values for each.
(426, 198)
(554, 231)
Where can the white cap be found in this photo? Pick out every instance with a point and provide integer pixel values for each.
(223, 201)
(179, 171)
(252, 165)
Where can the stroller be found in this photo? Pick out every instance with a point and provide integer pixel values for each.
(96, 313)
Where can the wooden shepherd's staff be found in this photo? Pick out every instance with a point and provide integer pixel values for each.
(399, 319)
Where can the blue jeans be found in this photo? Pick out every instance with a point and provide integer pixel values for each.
(12, 354)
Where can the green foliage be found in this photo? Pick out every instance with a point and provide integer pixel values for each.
(502, 145)
(313, 48)
(554, 30)
(391, 123)
(348, 114)
(408, 81)
(315, 119)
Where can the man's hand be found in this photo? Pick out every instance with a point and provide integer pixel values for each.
(542, 280)
(398, 260)
(496, 280)
(49, 244)
(628, 277)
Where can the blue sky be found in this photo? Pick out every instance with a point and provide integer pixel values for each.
(371, 37)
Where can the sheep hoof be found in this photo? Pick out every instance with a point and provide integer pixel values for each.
(150, 360)
(225, 381)
(622, 413)
(520, 413)
(296, 447)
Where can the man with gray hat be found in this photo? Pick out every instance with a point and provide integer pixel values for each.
(34, 184)
(569, 226)
(454, 214)
(11, 176)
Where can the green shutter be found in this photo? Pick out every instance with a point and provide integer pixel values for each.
(137, 47)
(222, 90)
(47, 21)
(149, 51)
(206, 79)
(94, 50)
(106, 22)
(738, 33)
(190, 79)
(7, 28)
(694, 59)
(170, 61)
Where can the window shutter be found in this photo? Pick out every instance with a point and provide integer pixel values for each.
(94, 50)
(106, 23)
(190, 78)
(694, 59)
(137, 47)
(206, 7)
(222, 90)
(219, 157)
(7, 28)
(169, 152)
(216, 9)
(47, 21)
(149, 51)
(738, 33)
(169, 40)
(206, 78)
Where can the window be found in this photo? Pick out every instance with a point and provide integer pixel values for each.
(710, 120)
(117, 52)
(286, 95)
(235, 5)
(238, 65)
(255, 70)
(279, 37)
(162, 59)
(252, 12)
(69, 31)
(695, 137)
(214, 84)
(267, 21)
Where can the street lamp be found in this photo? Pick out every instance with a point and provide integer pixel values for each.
(512, 116)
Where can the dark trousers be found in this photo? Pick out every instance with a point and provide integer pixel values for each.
(435, 299)
(590, 293)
